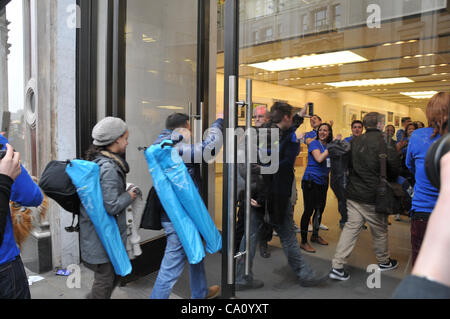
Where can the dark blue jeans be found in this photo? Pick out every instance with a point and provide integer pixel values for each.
(13, 280)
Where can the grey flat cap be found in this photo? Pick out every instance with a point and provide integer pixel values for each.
(108, 130)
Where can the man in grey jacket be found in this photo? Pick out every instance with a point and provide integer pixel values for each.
(110, 141)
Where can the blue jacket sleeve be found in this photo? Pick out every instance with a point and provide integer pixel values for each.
(24, 191)
(409, 162)
(213, 141)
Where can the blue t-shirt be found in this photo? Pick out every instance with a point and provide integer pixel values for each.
(348, 139)
(315, 171)
(25, 192)
(405, 148)
(312, 134)
(401, 135)
(425, 194)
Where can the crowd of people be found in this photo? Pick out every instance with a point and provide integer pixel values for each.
(351, 166)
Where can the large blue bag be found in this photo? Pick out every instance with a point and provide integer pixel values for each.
(188, 195)
(184, 227)
(85, 176)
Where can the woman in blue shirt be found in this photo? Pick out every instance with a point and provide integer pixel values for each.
(425, 195)
(315, 185)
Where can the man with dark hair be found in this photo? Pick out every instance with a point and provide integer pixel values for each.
(315, 122)
(175, 258)
(177, 120)
(401, 133)
(364, 177)
(357, 129)
(279, 189)
(339, 161)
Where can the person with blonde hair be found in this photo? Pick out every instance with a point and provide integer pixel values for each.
(425, 195)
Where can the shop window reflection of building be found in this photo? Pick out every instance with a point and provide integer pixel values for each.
(320, 19)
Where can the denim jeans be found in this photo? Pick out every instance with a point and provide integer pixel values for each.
(256, 226)
(172, 266)
(289, 243)
(13, 280)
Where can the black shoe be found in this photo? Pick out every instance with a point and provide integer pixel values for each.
(254, 284)
(313, 281)
(339, 274)
(392, 264)
(263, 250)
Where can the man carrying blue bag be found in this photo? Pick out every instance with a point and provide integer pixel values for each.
(182, 228)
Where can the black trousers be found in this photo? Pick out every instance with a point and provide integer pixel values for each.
(338, 184)
(314, 199)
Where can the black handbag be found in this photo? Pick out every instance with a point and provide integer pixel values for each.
(389, 195)
(151, 217)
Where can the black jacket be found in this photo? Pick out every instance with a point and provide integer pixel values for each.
(280, 183)
(5, 192)
(364, 166)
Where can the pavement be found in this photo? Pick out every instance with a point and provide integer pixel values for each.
(280, 282)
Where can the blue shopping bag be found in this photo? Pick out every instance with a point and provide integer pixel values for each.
(85, 177)
(187, 193)
(187, 232)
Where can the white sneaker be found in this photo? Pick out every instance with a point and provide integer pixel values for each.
(323, 227)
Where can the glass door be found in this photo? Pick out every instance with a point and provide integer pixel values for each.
(348, 58)
(161, 76)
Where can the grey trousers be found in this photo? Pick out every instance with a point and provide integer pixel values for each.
(105, 280)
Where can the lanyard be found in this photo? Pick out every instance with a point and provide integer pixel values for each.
(322, 148)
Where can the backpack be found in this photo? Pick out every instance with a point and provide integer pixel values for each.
(57, 185)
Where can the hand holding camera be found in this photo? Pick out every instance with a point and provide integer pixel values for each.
(9, 162)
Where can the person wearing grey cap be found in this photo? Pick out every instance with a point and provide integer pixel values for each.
(110, 140)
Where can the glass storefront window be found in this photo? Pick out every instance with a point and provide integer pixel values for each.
(348, 58)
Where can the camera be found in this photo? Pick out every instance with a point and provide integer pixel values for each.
(310, 109)
(433, 159)
(2, 152)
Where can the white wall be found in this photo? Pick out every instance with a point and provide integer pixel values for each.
(327, 106)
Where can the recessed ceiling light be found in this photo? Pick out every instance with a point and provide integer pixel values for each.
(371, 82)
(309, 61)
(170, 107)
(420, 95)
